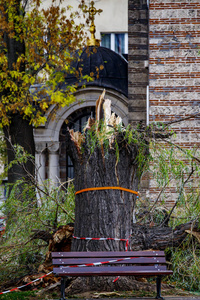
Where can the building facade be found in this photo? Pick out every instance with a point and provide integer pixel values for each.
(112, 30)
(174, 71)
(163, 77)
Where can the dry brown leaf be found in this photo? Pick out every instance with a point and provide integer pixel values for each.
(141, 279)
(196, 234)
(106, 294)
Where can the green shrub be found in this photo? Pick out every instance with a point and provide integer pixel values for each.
(20, 252)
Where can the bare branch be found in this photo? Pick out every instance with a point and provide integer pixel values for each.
(182, 119)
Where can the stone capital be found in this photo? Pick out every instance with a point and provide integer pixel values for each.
(40, 147)
(53, 147)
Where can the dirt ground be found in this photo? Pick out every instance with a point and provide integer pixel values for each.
(169, 292)
(143, 290)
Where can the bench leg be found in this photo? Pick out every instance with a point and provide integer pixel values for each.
(63, 281)
(158, 287)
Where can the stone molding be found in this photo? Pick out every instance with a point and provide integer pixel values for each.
(49, 132)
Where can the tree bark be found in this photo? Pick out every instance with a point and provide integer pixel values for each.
(159, 238)
(105, 213)
(19, 132)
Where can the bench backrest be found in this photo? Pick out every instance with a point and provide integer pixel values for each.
(110, 257)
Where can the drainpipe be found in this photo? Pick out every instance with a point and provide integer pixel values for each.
(147, 103)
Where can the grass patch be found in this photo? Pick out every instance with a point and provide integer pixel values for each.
(18, 295)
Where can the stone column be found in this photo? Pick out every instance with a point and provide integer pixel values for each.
(54, 169)
(40, 160)
(40, 170)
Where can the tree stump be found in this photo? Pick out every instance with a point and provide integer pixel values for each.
(103, 213)
(103, 157)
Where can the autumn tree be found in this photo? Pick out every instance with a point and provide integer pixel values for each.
(37, 47)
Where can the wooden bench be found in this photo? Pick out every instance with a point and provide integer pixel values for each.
(129, 263)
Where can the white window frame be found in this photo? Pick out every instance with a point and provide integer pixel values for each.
(112, 40)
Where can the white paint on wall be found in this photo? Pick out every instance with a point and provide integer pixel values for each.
(114, 17)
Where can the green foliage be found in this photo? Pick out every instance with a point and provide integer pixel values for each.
(113, 137)
(139, 139)
(186, 265)
(18, 296)
(21, 251)
(46, 39)
(98, 137)
(147, 213)
(176, 169)
(173, 168)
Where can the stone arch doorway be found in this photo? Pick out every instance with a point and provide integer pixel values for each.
(48, 137)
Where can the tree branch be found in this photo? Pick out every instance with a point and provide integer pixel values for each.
(166, 220)
(183, 150)
(182, 119)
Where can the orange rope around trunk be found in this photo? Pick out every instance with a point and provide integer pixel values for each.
(106, 188)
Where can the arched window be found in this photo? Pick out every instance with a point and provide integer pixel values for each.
(76, 121)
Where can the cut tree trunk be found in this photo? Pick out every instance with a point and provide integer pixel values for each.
(103, 213)
(103, 157)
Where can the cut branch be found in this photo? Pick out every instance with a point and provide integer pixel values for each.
(160, 238)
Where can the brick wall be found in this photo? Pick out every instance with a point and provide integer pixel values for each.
(174, 72)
